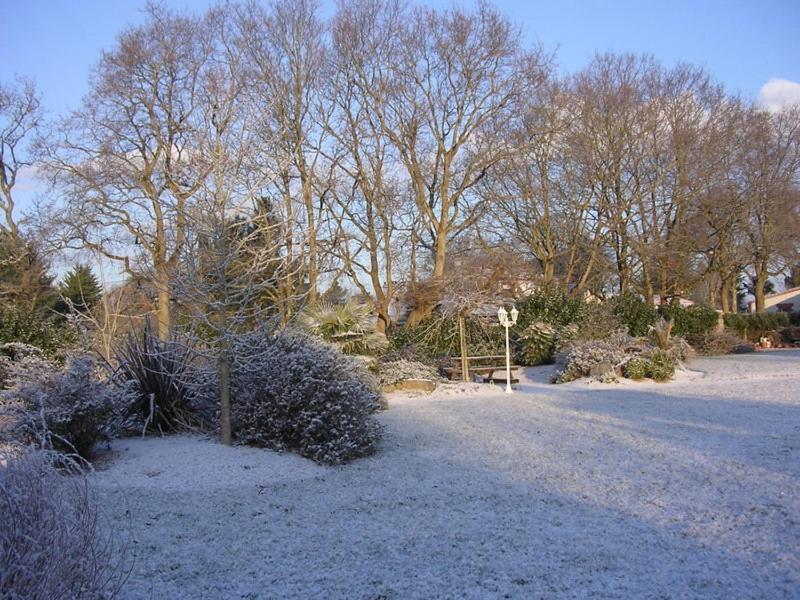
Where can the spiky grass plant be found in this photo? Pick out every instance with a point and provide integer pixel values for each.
(160, 372)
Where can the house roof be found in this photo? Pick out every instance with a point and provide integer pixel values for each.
(789, 292)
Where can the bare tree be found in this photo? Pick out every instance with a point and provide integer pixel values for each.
(609, 148)
(232, 259)
(683, 114)
(367, 200)
(20, 116)
(127, 160)
(540, 197)
(444, 99)
(287, 51)
(715, 224)
(771, 180)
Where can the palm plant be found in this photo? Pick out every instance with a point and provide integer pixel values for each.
(350, 326)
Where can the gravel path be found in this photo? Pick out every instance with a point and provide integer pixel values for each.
(682, 490)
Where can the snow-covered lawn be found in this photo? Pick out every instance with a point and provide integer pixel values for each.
(682, 490)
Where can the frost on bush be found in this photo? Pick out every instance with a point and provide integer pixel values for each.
(587, 358)
(537, 343)
(635, 368)
(51, 542)
(398, 370)
(11, 354)
(293, 392)
(68, 411)
(714, 342)
(660, 366)
(598, 321)
(679, 350)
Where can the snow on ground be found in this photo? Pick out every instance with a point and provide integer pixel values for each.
(682, 490)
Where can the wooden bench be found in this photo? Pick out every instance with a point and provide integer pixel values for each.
(487, 373)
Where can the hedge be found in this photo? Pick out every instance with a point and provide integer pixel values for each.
(693, 320)
(754, 326)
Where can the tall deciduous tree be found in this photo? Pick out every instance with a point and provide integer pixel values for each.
(367, 199)
(771, 180)
(287, 50)
(20, 116)
(446, 97)
(127, 159)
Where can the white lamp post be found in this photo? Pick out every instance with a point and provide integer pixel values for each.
(503, 315)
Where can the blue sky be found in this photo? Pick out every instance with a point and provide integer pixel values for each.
(743, 44)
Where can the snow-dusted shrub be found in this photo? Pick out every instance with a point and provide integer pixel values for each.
(715, 342)
(584, 358)
(660, 366)
(11, 354)
(68, 411)
(161, 373)
(293, 392)
(598, 321)
(564, 338)
(398, 370)
(537, 343)
(410, 352)
(635, 368)
(51, 542)
(679, 350)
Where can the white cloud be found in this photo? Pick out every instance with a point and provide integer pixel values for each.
(28, 179)
(777, 94)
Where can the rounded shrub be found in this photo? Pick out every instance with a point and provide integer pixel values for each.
(715, 342)
(293, 392)
(537, 343)
(68, 411)
(635, 368)
(598, 321)
(394, 371)
(586, 358)
(660, 366)
(554, 307)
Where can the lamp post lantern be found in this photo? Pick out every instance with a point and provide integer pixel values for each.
(505, 321)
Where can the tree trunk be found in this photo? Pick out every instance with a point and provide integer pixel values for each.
(441, 254)
(224, 373)
(725, 297)
(423, 311)
(163, 315)
(758, 292)
(313, 266)
(382, 324)
(413, 260)
(549, 273)
(463, 343)
(288, 280)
